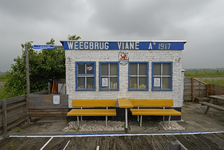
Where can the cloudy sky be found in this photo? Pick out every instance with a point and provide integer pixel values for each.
(199, 22)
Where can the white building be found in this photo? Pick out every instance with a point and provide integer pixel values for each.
(124, 69)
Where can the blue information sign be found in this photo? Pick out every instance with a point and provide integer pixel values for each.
(43, 46)
(138, 45)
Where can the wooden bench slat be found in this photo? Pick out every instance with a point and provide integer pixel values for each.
(92, 112)
(152, 102)
(212, 105)
(94, 103)
(156, 112)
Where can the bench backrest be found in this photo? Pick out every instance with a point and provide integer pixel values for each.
(94, 102)
(152, 102)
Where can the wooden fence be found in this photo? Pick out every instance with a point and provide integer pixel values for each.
(216, 89)
(42, 105)
(196, 88)
(13, 111)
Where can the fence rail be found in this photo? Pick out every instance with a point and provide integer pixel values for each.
(13, 111)
(196, 88)
(42, 105)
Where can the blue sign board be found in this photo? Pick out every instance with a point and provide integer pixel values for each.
(103, 45)
(43, 46)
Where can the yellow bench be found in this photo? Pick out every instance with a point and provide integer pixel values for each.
(154, 112)
(93, 112)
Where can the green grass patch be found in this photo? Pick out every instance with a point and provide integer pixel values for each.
(3, 78)
(204, 73)
(217, 82)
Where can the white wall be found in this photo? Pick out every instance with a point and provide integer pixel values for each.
(150, 56)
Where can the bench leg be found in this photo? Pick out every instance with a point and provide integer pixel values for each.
(138, 116)
(106, 121)
(169, 122)
(206, 110)
(78, 120)
(141, 121)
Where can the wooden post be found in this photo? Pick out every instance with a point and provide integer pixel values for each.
(27, 109)
(208, 86)
(4, 117)
(49, 88)
(192, 88)
(27, 71)
(27, 81)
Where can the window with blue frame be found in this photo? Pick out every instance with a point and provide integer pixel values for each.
(108, 76)
(162, 76)
(138, 76)
(85, 76)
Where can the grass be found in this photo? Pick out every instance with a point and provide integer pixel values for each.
(217, 82)
(204, 73)
(3, 78)
(212, 73)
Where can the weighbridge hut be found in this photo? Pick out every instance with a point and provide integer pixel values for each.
(149, 69)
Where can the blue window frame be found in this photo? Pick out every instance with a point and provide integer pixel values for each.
(138, 76)
(162, 76)
(85, 76)
(108, 76)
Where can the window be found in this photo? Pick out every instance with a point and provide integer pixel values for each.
(138, 76)
(109, 76)
(162, 76)
(85, 76)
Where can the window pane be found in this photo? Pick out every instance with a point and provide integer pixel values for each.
(133, 83)
(142, 69)
(113, 69)
(156, 69)
(166, 69)
(156, 83)
(142, 83)
(133, 69)
(81, 68)
(113, 83)
(104, 83)
(81, 82)
(166, 83)
(104, 69)
(89, 68)
(90, 83)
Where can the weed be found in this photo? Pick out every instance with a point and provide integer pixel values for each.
(10, 145)
(73, 128)
(23, 138)
(18, 130)
(122, 126)
(76, 129)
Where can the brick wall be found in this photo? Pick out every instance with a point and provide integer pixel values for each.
(150, 56)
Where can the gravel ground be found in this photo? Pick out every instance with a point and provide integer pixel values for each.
(94, 126)
(173, 125)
